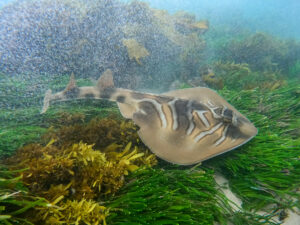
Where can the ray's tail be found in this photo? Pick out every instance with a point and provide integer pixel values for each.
(104, 89)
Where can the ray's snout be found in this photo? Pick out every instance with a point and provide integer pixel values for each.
(247, 128)
(239, 121)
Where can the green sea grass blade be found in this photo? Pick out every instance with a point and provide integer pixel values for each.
(266, 170)
(174, 196)
(4, 217)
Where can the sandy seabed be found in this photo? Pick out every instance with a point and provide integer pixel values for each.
(292, 219)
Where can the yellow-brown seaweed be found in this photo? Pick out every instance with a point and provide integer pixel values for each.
(72, 212)
(135, 50)
(71, 174)
(88, 173)
(240, 76)
(213, 81)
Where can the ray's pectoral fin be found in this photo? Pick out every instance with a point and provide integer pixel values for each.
(217, 129)
(126, 110)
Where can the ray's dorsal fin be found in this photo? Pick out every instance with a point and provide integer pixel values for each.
(71, 84)
(106, 80)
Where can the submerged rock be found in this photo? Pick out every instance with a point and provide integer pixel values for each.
(87, 37)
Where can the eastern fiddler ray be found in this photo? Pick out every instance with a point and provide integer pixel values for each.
(183, 126)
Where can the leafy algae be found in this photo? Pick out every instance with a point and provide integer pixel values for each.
(65, 172)
(135, 50)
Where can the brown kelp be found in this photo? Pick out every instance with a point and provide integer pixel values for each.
(135, 50)
(58, 161)
(98, 131)
(71, 175)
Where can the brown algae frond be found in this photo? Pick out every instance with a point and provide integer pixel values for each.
(89, 172)
(71, 175)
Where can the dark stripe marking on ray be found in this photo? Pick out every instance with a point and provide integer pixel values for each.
(89, 95)
(121, 98)
(181, 111)
(107, 93)
(72, 93)
(151, 112)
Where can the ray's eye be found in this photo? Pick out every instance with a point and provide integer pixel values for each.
(227, 115)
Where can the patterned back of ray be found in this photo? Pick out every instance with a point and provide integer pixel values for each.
(187, 131)
(183, 126)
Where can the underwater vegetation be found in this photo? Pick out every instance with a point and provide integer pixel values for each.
(73, 212)
(100, 132)
(73, 176)
(262, 52)
(213, 81)
(250, 61)
(246, 62)
(14, 198)
(175, 196)
(241, 77)
(267, 170)
(135, 50)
